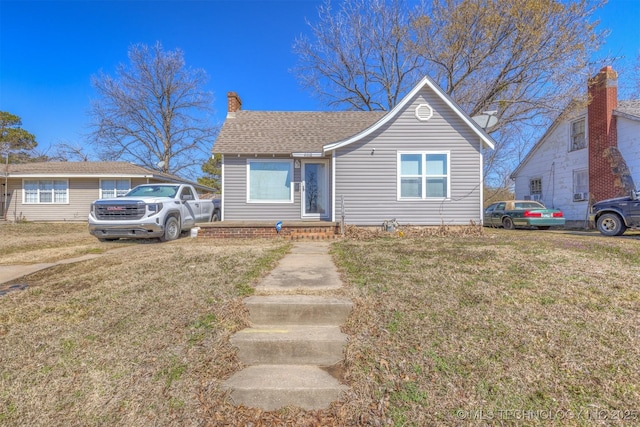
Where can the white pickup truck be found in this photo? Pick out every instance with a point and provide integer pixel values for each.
(151, 211)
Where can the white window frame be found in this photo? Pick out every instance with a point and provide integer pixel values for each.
(270, 201)
(117, 191)
(423, 175)
(55, 193)
(581, 189)
(531, 187)
(572, 137)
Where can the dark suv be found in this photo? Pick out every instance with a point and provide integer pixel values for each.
(613, 216)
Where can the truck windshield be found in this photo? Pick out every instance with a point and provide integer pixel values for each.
(154, 191)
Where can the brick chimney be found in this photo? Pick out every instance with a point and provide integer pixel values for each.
(603, 134)
(233, 103)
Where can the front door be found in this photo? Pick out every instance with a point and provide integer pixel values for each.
(315, 185)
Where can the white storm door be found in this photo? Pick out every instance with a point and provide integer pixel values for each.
(315, 185)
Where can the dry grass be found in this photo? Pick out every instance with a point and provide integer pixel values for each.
(493, 327)
(27, 243)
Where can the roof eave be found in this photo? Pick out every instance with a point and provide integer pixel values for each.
(619, 113)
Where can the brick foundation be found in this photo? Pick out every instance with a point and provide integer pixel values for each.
(288, 232)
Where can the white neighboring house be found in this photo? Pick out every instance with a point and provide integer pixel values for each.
(586, 155)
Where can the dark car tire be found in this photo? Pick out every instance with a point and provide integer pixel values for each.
(171, 230)
(611, 224)
(507, 223)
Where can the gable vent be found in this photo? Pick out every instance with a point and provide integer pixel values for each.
(424, 112)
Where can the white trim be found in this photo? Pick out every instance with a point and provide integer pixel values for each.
(332, 184)
(53, 196)
(100, 196)
(325, 185)
(570, 123)
(267, 160)
(424, 112)
(481, 186)
(222, 192)
(423, 177)
(307, 155)
(426, 81)
(45, 175)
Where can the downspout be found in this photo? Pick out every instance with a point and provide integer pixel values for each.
(6, 184)
(222, 189)
(333, 186)
(481, 183)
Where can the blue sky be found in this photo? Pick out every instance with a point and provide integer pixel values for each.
(49, 50)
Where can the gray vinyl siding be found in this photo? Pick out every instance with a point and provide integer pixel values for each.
(234, 196)
(368, 182)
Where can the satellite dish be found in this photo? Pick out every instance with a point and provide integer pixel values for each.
(160, 164)
(486, 121)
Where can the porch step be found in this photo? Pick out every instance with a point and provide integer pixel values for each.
(290, 344)
(313, 233)
(297, 310)
(295, 340)
(271, 387)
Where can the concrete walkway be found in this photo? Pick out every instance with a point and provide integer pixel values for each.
(9, 273)
(295, 338)
(308, 266)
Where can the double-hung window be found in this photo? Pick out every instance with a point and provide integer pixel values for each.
(269, 181)
(50, 191)
(423, 175)
(578, 135)
(110, 188)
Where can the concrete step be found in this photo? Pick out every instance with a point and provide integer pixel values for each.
(271, 387)
(298, 310)
(290, 344)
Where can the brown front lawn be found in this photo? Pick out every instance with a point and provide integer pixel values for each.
(499, 327)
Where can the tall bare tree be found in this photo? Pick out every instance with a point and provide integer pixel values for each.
(153, 112)
(358, 56)
(525, 59)
(69, 152)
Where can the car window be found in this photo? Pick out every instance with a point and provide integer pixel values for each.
(528, 205)
(186, 191)
(500, 206)
(490, 208)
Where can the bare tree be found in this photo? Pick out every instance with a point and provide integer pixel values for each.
(525, 59)
(66, 152)
(359, 55)
(154, 112)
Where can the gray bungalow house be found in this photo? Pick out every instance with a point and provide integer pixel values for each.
(420, 163)
(63, 191)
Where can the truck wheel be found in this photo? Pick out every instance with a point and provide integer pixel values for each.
(507, 223)
(215, 217)
(171, 230)
(611, 224)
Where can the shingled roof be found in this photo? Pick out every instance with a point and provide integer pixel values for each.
(629, 109)
(285, 132)
(93, 169)
(82, 168)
